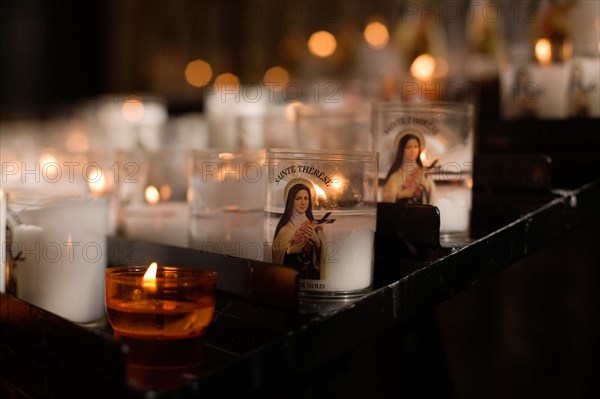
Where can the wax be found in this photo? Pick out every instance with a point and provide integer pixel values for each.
(321, 218)
(454, 203)
(550, 83)
(153, 318)
(60, 249)
(350, 252)
(230, 233)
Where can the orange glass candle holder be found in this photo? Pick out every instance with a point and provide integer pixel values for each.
(161, 318)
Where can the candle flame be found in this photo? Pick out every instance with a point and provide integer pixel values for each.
(423, 157)
(98, 184)
(46, 159)
(543, 51)
(320, 192)
(152, 195)
(149, 280)
(337, 184)
(133, 109)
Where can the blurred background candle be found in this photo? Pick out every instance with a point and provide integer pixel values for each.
(342, 127)
(442, 169)
(151, 195)
(161, 222)
(226, 200)
(550, 76)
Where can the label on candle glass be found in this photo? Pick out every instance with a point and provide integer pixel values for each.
(322, 223)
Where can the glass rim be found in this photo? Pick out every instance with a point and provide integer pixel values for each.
(323, 154)
(126, 274)
(439, 106)
(235, 153)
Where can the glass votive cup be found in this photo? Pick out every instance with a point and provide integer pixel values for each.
(426, 157)
(227, 199)
(340, 128)
(162, 320)
(320, 218)
(151, 196)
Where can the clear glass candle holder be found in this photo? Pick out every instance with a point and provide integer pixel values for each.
(151, 195)
(320, 218)
(339, 128)
(426, 157)
(226, 200)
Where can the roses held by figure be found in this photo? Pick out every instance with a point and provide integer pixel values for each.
(301, 236)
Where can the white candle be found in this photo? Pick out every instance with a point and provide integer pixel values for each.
(222, 109)
(59, 252)
(227, 198)
(549, 90)
(454, 203)
(164, 222)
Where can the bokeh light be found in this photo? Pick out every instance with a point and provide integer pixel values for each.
(198, 73)
(277, 77)
(322, 44)
(543, 51)
(227, 81)
(376, 34)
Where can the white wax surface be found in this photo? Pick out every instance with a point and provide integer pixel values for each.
(454, 203)
(242, 192)
(64, 250)
(350, 253)
(164, 223)
(551, 98)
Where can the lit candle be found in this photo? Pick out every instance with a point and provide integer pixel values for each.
(439, 136)
(58, 252)
(549, 85)
(225, 105)
(321, 209)
(160, 312)
(227, 198)
(162, 222)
